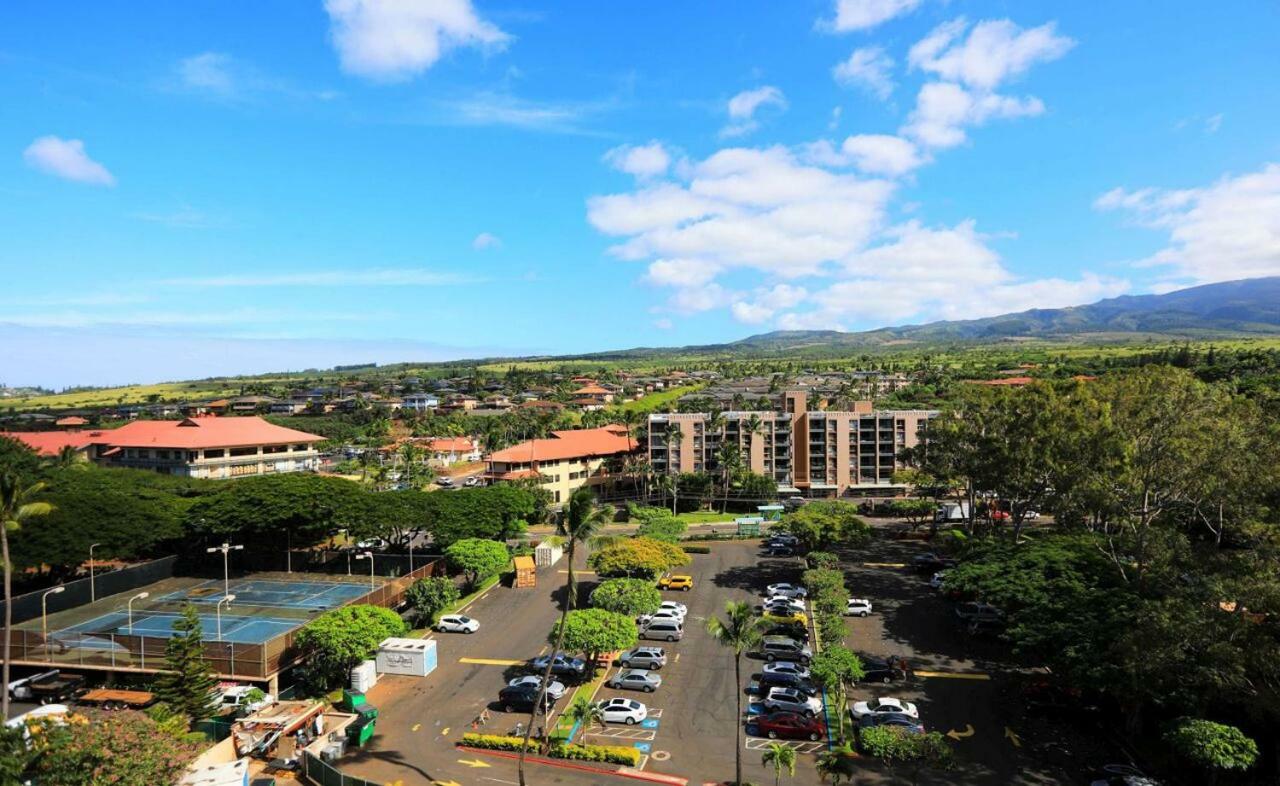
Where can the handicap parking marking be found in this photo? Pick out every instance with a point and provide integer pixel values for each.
(650, 724)
(625, 733)
(755, 708)
(643, 747)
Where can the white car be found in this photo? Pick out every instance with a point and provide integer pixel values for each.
(937, 579)
(790, 603)
(371, 543)
(677, 607)
(857, 607)
(786, 667)
(884, 706)
(661, 614)
(621, 710)
(555, 690)
(457, 623)
(786, 590)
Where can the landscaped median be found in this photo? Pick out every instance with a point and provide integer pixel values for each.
(607, 754)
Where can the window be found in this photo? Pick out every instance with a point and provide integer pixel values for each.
(275, 448)
(215, 453)
(244, 452)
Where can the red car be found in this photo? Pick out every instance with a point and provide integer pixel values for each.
(790, 726)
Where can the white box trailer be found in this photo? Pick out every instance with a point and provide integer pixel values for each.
(364, 676)
(547, 554)
(409, 657)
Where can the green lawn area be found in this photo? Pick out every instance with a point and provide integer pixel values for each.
(661, 400)
(706, 517)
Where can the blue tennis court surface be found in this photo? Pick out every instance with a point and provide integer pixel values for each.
(269, 593)
(235, 628)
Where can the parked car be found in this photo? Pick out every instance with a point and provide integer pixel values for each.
(457, 623)
(974, 611)
(521, 698)
(779, 551)
(651, 658)
(786, 617)
(936, 580)
(444, 481)
(786, 591)
(621, 710)
(555, 690)
(906, 722)
(785, 538)
(563, 666)
(636, 679)
(779, 680)
(791, 700)
(857, 607)
(787, 631)
(884, 670)
(663, 630)
(775, 648)
(677, 607)
(931, 563)
(472, 481)
(660, 614)
(780, 602)
(790, 726)
(883, 706)
(1123, 775)
(245, 699)
(371, 543)
(676, 582)
(786, 667)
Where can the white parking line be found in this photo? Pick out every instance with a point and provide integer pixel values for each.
(799, 746)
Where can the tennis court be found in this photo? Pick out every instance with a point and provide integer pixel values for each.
(270, 593)
(238, 629)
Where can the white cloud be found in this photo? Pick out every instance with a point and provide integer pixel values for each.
(486, 240)
(743, 107)
(943, 111)
(1225, 231)
(1213, 123)
(881, 154)
(398, 39)
(209, 71)
(751, 313)
(766, 302)
(682, 272)
(642, 161)
(662, 323)
(183, 217)
(501, 109)
(993, 52)
(376, 277)
(865, 14)
(868, 68)
(66, 158)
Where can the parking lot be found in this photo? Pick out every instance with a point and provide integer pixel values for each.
(691, 733)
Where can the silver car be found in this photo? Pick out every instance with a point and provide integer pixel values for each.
(555, 690)
(636, 679)
(651, 658)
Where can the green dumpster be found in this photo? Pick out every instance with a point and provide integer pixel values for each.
(351, 700)
(361, 729)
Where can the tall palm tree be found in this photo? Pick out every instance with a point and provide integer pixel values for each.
(16, 508)
(740, 632)
(586, 713)
(583, 519)
(713, 426)
(730, 460)
(782, 757)
(675, 435)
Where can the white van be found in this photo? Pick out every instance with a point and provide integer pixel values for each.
(663, 630)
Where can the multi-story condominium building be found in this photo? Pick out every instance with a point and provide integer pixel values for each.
(200, 447)
(815, 453)
(567, 460)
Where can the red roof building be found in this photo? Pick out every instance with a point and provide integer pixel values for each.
(567, 460)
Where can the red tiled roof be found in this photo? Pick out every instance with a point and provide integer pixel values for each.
(451, 445)
(580, 443)
(48, 443)
(71, 421)
(195, 433)
(590, 390)
(1006, 382)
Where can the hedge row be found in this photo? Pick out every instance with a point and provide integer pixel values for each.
(608, 754)
(697, 549)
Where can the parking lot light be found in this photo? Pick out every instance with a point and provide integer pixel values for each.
(44, 612)
(369, 556)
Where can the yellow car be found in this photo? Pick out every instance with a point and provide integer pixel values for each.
(683, 583)
(795, 618)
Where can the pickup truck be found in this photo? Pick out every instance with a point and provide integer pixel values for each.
(54, 688)
(115, 699)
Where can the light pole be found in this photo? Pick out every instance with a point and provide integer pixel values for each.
(411, 537)
(44, 614)
(139, 596)
(93, 595)
(225, 548)
(369, 556)
(218, 611)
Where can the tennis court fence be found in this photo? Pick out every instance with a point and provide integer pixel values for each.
(228, 659)
(81, 591)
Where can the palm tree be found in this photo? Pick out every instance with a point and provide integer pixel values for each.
(586, 713)
(836, 764)
(15, 508)
(67, 458)
(782, 757)
(675, 435)
(582, 521)
(730, 461)
(739, 631)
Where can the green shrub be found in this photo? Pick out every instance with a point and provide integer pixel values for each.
(830, 629)
(822, 559)
(627, 596)
(878, 741)
(697, 549)
(609, 754)
(665, 529)
(497, 742)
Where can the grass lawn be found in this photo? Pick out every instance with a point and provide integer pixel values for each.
(706, 517)
(661, 400)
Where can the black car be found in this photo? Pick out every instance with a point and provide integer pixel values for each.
(769, 680)
(897, 719)
(884, 670)
(520, 698)
(792, 630)
(931, 563)
(562, 666)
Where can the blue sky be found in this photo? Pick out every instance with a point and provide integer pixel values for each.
(212, 187)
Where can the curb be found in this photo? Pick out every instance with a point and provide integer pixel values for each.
(565, 764)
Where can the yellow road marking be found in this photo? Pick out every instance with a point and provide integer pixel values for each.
(445, 733)
(954, 675)
(415, 727)
(473, 763)
(446, 783)
(677, 657)
(959, 735)
(490, 661)
(884, 564)
(1013, 737)
(543, 651)
(577, 572)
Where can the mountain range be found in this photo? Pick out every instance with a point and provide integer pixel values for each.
(1250, 307)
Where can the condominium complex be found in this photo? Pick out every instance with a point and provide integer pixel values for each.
(567, 460)
(815, 453)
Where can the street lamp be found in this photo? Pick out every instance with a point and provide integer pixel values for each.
(369, 556)
(92, 594)
(218, 611)
(129, 606)
(44, 613)
(225, 548)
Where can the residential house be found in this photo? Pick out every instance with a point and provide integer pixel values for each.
(567, 460)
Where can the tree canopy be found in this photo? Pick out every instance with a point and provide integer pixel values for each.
(637, 557)
(477, 558)
(339, 639)
(594, 632)
(825, 523)
(627, 596)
